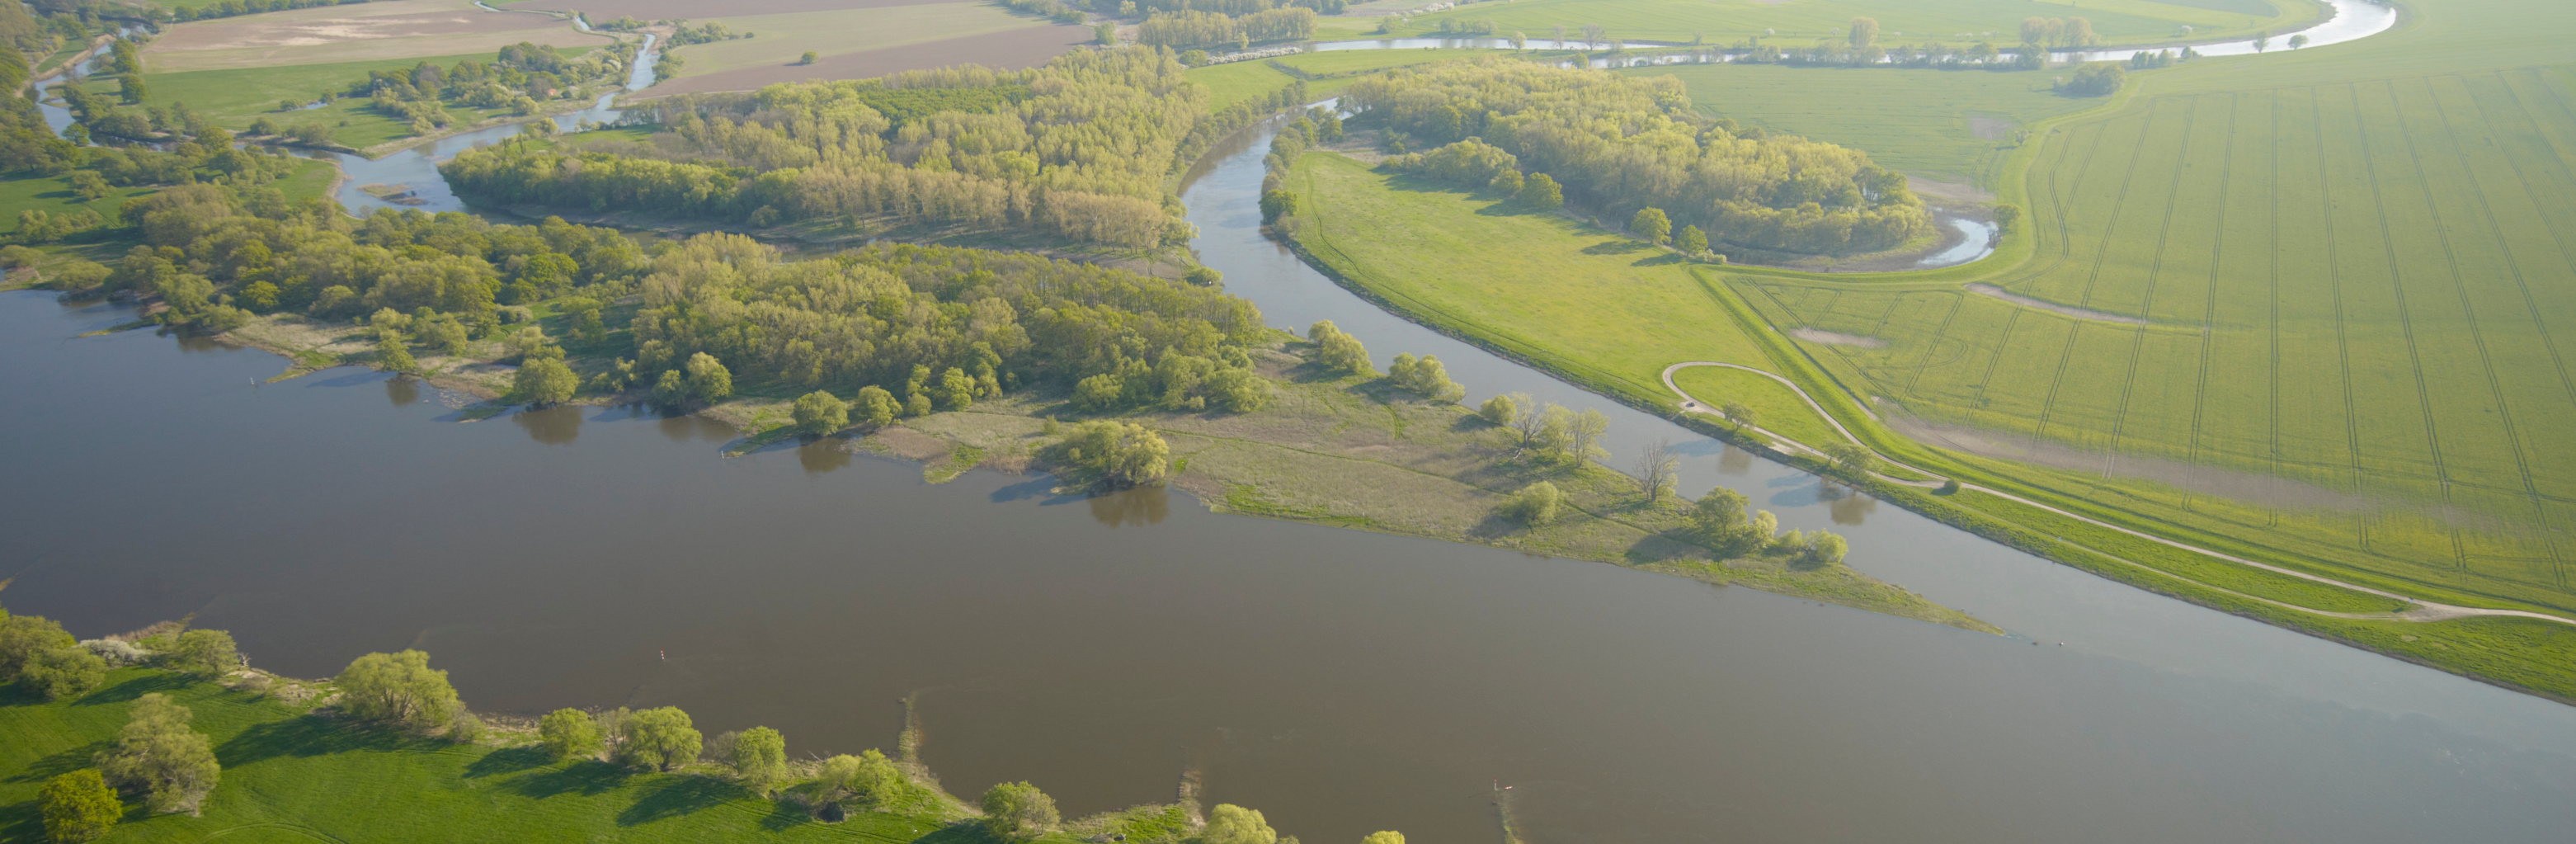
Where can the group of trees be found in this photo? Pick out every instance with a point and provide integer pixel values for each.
(156, 755)
(2058, 33)
(36, 651)
(1622, 143)
(1188, 29)
(1079, 149)
(520, 76)
(1718, 521)
(2098, 79)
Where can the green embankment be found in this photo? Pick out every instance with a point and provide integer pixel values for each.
(1801, 24)
(289, 776)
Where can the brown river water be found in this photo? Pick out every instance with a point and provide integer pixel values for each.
(1341, 681)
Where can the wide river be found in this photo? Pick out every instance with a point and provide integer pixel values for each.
(1341, 681)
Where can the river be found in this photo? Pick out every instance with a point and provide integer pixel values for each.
(1340, 681)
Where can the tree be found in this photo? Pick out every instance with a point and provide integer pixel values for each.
(1520, 41)
(1384, 837)
(1855, 460)
(1540, 191)
(660, 738)
(1651, 224)
(1718, 515)
(672, 390)
(1018, 811)
(157, 753)
(1535, 505)
(132, 89)
(1737, 413)
(2036, 31)
(1105, 34)
(545, 381)
(78, 806)
(65, 672)
(89, 185)
(2298, 41)
(1336, 351)
(2098, 79)
(2077, 32)
(1232, 824)
(24, 637)
(569, 732)
(1501, 411)
(205, 653)
(1864, 32)
(1276, 204)
(396, 357)
(1118, 455)
(1583, 437)
(871, 781)
(820, 412)
(956, 390)
(1691, 241)
(760, 756)
(1425, 377)
(1532, 422)
(1826, 547)
(2006, 214)
(1660, 469)
(397, 689)
(709, 381)
(810, 57)
(2262, 39)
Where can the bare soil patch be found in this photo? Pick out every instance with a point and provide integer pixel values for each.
(1832, 338)
(391, 29)
(1937, 191)
(1010, 50)
(2051, 307)
(1989, 128)
(606, 10)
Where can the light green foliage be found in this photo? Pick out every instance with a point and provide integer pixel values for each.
(1115, 454)
(1719, 513)
(1535, 505)
(1651, 224)
(394, 356)
(78, 806)
(23, 637)
(545, 381)
(872, 782)
(1540, 191)
(876, 406)
(956, 390)
(1853, 460)
(1232, 824)
(672, 389)
(1425, 377)
(397, 689)
(159, 754)
(1503, 410)
(1828, 548)
(661, 739)
(808, 58)
(1018, 811)
(760, 756)
(1336, 351)
(2099, 79)
(66, 672)
(569, 733)
(709, 380)
(1384, 837)
(1691, 241)
(819, 412)
(528, 340)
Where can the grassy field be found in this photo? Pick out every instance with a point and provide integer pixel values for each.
(288, 776)
(1238, 81)
(233, 98)
(388, 29)
(1955, 126)
(53, 194)
(1775, 407)
(2335, 282)
(1804, 22)
(779, 39)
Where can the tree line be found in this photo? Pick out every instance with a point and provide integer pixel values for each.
(1083, 153)
(1188, 29)
(1621, 143)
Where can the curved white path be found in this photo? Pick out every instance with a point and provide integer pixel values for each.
(2423, 610)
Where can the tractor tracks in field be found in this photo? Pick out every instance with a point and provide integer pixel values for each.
(2422, 611)
(2406, 317)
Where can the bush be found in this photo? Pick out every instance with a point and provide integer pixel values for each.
(23, 637)
(1115, 455)
(871, 782)
(760, 755)
(205, 653)
(1535, 505)
(1336, 351)
(662, 739)
(1425, 377)
(78, 806)
(13, 257)
(1018, 811)
(65, 672)
(157, 753)
(398, 689)
(709, 381)
(876, 405)
(545, 381)
(1232, 824)
(819, 412)
(2099, 79)
(569, 732)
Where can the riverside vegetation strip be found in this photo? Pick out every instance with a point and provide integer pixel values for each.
(2286, 339)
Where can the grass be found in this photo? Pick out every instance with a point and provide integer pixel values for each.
(1960, 22)
(1955, 126)
(2352, 262)
(293, 776)
(233, 98)
(781, 39)
(1775, 407)
(53, 195)
(1235, 82)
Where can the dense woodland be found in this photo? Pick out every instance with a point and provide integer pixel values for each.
(1621, 144)
(1080, 150)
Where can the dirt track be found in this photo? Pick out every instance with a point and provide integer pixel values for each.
(1011, 49)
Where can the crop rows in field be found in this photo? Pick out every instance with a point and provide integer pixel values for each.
(2360, 286)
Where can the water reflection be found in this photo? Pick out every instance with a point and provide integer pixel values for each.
(1734, 461)
(683, 429)
(822, 456)
(402, 390)
(1849, 506)
(1135, 507)
(551, 426)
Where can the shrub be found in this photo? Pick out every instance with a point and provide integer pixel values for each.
(23, 637)
(205, 653)
(876, 405)
(545, 381)
(569, 732)
(398, 689)
(1018, 811)
(1232, 824)
(78, 806)
(871, 782)
(820, 413)
(709, 381)
(65, 672)
(1336, 351)
(1535, 505)
(662, 739)
(760, 755)
(157, 753)
(1425, 377)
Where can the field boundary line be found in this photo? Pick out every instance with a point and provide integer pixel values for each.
(2405, 316)
(2209, 307)
(2155, 272)
(2272, 270)
(2119, 203)
(2425, 611)
(2334, 289)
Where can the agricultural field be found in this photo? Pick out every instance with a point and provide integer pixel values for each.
(1800, 23)
(393, 29)
(1238, 81)
(233, 98)
(865, 42)
(1950, 125)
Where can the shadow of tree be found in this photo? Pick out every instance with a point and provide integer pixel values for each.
(588, 778)
(313, 736)
(784, 815)
(508, 760)
(1614, 247)
(126, 691)
(673, 796)
(60, 763)
(1665, 259)
(958, 832)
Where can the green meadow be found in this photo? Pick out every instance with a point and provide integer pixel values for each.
(1235, 82)
(53, 195)
(1950, 125)
(233, 98)
(1806, 22)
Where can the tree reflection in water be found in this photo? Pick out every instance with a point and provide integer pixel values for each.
(402, 390)
(551, 426)
(822, 455)
(1136, 507)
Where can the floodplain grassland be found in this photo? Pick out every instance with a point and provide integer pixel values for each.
(1327, 73)
(234, 98)
(53, 195)
(289, 775)
(1805, 23)
(1950, 125)
(779, 39)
